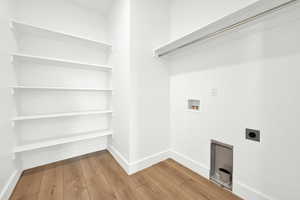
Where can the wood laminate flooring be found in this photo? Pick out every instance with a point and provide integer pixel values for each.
(98, 176)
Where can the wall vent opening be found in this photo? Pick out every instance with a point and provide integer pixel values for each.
(221, 165)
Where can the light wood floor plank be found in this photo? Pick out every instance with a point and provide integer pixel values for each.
(95, 181)
(28, 187)
(74, 185)
(182, 180)
(173, 174)
(117, 177)
(147, 188)
(98, 176)
(169, 187)
(52, 183)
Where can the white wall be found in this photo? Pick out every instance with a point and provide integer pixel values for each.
(119, 32)
(150, 78)
(65, 16)
(7, 166)
(256, 74)
(141, 83)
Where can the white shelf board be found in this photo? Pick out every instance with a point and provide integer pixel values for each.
(240, 17)
(61, 88)
(40, 59)
(72, 114)
(44, 144)
(25, 27)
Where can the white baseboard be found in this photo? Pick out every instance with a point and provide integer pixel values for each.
(133, 167)
(193, 165)
(148, 161)
(10, 185)
(119, 158)
(249, 193)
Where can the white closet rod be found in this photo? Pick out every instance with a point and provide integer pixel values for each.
(232, 26)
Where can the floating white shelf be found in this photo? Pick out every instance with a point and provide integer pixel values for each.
(72, 114)
(48, 60)
(243, 16)
(61, 88)
(25, 27)
(89, 135)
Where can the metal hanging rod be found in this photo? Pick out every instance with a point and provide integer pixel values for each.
(232, 26)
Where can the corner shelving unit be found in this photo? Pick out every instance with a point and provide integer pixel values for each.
(21, 28)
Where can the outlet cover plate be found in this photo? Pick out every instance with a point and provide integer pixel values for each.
(253, 135)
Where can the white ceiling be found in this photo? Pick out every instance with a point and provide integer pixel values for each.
(103, 6)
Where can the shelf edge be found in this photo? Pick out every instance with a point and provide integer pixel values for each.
(61, 141)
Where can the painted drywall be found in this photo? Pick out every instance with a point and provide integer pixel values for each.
(102, 6)
(189, 16)
(140, 80)
(119, 32)
(149, 78)
(248, 78)
(8, 166)
(71, 19)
